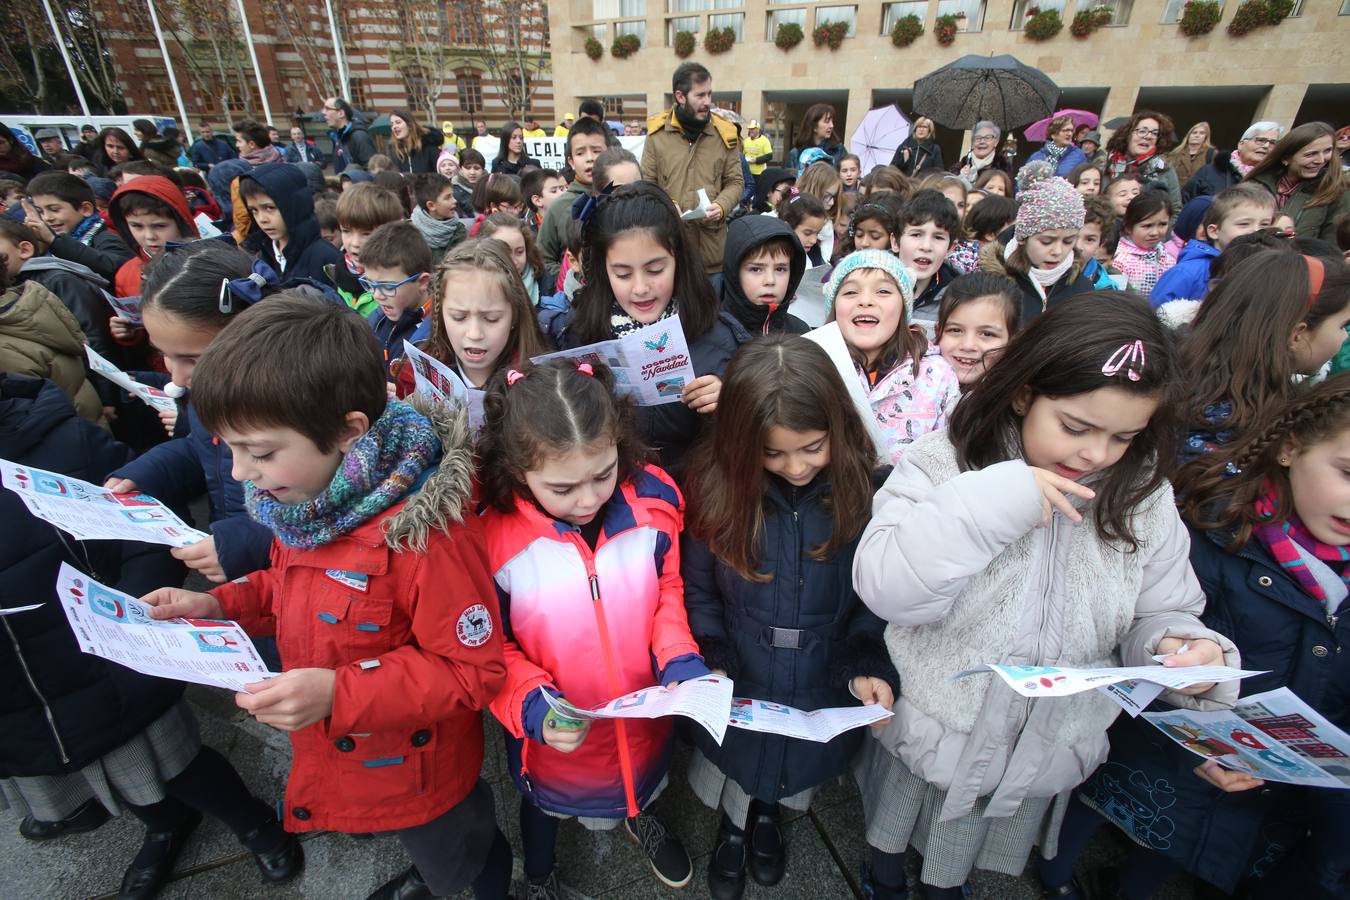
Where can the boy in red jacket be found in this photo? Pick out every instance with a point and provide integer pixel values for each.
(379, 593)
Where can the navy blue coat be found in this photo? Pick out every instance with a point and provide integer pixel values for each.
(732, 618)
(181, 469)
(1147, 786)
(95, 706)
(306, 252)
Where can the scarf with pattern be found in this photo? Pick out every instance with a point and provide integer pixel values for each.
(621, 323)
(1284, 539)
(86, 230)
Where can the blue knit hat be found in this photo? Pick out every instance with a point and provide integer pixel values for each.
(811, 155)
(871, 259)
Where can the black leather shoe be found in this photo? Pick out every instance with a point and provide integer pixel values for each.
(726, 866)
(408, 886)
(281, 863)
(768, 853)
(86, 818)
(141, 882)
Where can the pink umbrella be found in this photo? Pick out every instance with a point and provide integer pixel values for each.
(879, 135)
(1036, 130)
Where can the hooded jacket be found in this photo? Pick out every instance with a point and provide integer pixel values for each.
(352, 146)
(127, 283)
(40, 338)
(712, 162)
(765, 182)
(82, 291)
(748, 319)
(101, 249)
(1189, 278)
(403, 609)
(306, 252)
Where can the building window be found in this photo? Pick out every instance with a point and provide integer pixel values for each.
(359, 96)
(1020, 7)
(1345, 8)
(459, 24)
(1120, 10)
(894, 12)
(728, 103)
(618, 9)
(469, 85)
(419, 92)
(638, 28)
(734, 21)
(161, 99)
(828, 14)
(785, 17)
(973, 19)
(613, 107)
(1172, 11)
(688, 6)
(599, 32)
(691, 24)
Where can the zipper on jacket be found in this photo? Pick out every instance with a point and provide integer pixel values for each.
(32, 683)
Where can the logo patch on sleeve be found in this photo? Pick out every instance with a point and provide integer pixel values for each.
(474, 626)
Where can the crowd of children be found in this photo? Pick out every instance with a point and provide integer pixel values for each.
(1047, 421)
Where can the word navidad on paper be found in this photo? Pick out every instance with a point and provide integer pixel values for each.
(652, 365)
(436, 381)
(152, 397)
(92, 513)
(1274, 736)
(114, 626)
(705, 700)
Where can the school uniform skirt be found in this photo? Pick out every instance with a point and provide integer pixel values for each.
(901, 811)
(711, 785)
(133, 773)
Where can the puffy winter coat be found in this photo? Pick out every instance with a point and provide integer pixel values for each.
(181, 469)
(1310, 221)
(415, 639)
(594, 625)
(61, 708)
(957, 564)
(1072, 159)
(39, 337)
(1212, 179)
(797, 639)
(1189, 278)
(1033, 304)
(1147, 786)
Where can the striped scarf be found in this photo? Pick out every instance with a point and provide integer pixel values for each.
(1283, 540)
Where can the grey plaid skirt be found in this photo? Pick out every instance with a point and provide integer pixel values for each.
(901, 811)
(717, 791)
(133, 773)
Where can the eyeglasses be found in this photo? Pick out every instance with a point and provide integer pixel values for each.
(1264, 142)
(386, 288)
(1147, 132)
(331, 108)
(982, 138)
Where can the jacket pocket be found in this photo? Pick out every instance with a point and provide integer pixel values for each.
(383, 766)
(354, 623)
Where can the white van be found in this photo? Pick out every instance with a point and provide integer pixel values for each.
(25, 127)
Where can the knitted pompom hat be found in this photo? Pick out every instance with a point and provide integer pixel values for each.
(871, 259)
(1033, 173)
(1050, 204)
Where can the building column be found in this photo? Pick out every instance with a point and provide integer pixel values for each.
(1281, 104)
(1120, 101)
(859, 102)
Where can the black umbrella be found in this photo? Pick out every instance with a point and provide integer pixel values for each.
(974, 88)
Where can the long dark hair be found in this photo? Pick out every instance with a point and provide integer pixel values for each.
(1062, 353)
(101, 155)
(789, 382)
(806, 137)
(1328, 186)
(640, 206)
(186, 282)
(404, 149)
(504, 140)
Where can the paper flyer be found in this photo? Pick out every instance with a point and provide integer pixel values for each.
(819, 725)
(128, 308)
(808, 304)
(90, 512)
(437, 381)
(1274, 736)
(1134, 696)
(116, 627)
(152, 397)
(1058, 681)
(652, 365)
(831, 340)
(705, 700)
(693, 215)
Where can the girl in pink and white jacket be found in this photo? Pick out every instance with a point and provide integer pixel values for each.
(911, 388)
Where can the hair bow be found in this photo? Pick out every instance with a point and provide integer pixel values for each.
(249, 289)
(513, 375)
(1129, 357)
(586, 369)
(586, 206)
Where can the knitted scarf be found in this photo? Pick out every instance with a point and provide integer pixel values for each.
(1283, 540)
(439, 233)
(1284, 189)
(621, 323)
(86, 230)
(262, 155)
(380, 470)
(1054, 153)
(1239, 166)
(1118, 163)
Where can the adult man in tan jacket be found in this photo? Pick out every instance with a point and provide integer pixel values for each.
(687, 148)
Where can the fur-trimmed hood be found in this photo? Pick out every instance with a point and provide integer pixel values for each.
(446, 493)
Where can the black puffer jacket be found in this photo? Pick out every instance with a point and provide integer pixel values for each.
(62, 709)
(423, 160)
(1212, 179)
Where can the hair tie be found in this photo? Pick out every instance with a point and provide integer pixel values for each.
(249, 289)
(1129, 358)
(513, 375)
(585, 369)
(1317, 273)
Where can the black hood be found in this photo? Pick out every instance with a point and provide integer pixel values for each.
(765, 182)
(289, 190)
(743, 236)
(30, 409)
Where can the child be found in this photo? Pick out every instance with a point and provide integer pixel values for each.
(540, 187)
(576, 522)
(615, 166)
(284, 233)
(821, 181)
(481, 318)
(64, 214)
(496, 193)
(325, 210)
(997, 182)
(1142, 256)
(190, 296)
(987, 545)
(360, 210)
(911, 388)
(1273, 316)
(509, 229)
(985, 221)
(380, 596)
(586, 139)
(398, 273)
(884, 178)
(872, 225)
(1040, 257)
(953, 187)
(1269, 548)
(980, 313)
(471, 165)
(773, 188)
(1120, 191)
(927, 225)
(1240, 209)
(641, 267)
(436, 213)
(1090, 247)
(850, 172)
(12, 190)
(761, 267)
(150, 213)
(1086, 179)
(805, 215)
(447, 164)
(778, 496)
(39, 338)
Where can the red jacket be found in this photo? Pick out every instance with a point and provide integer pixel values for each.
(127, 282)
(416, 642)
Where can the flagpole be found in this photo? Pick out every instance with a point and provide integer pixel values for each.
(65, 54)
(168, 65)
(338, 54)
(257, 70)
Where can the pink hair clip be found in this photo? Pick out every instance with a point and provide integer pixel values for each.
(585, 369)
(513, 375)
(1130, 358)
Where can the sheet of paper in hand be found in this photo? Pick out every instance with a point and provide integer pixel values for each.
(706, 700)
(1058, 681)
(128, 308)
(89, 512)
(809, 303)
(114, 626)
(152, 397)
(700, 211)
(437, 381)
(817, 725)
(651, 365)
(831, 340)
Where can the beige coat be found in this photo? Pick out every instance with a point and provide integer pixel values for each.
(40, 338)
(956, 564)
(712, 162)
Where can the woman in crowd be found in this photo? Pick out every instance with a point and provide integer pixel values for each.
(1059, 149)
(415, 149)
(817, 131)
(1192, 154)
(1308, 185)
(920, 150)
(983, 155)
(1227, 169)
(511, 157)
(1139, 146)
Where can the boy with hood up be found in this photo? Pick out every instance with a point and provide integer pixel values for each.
(762, 265)
(150, 213)
(283, 230)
